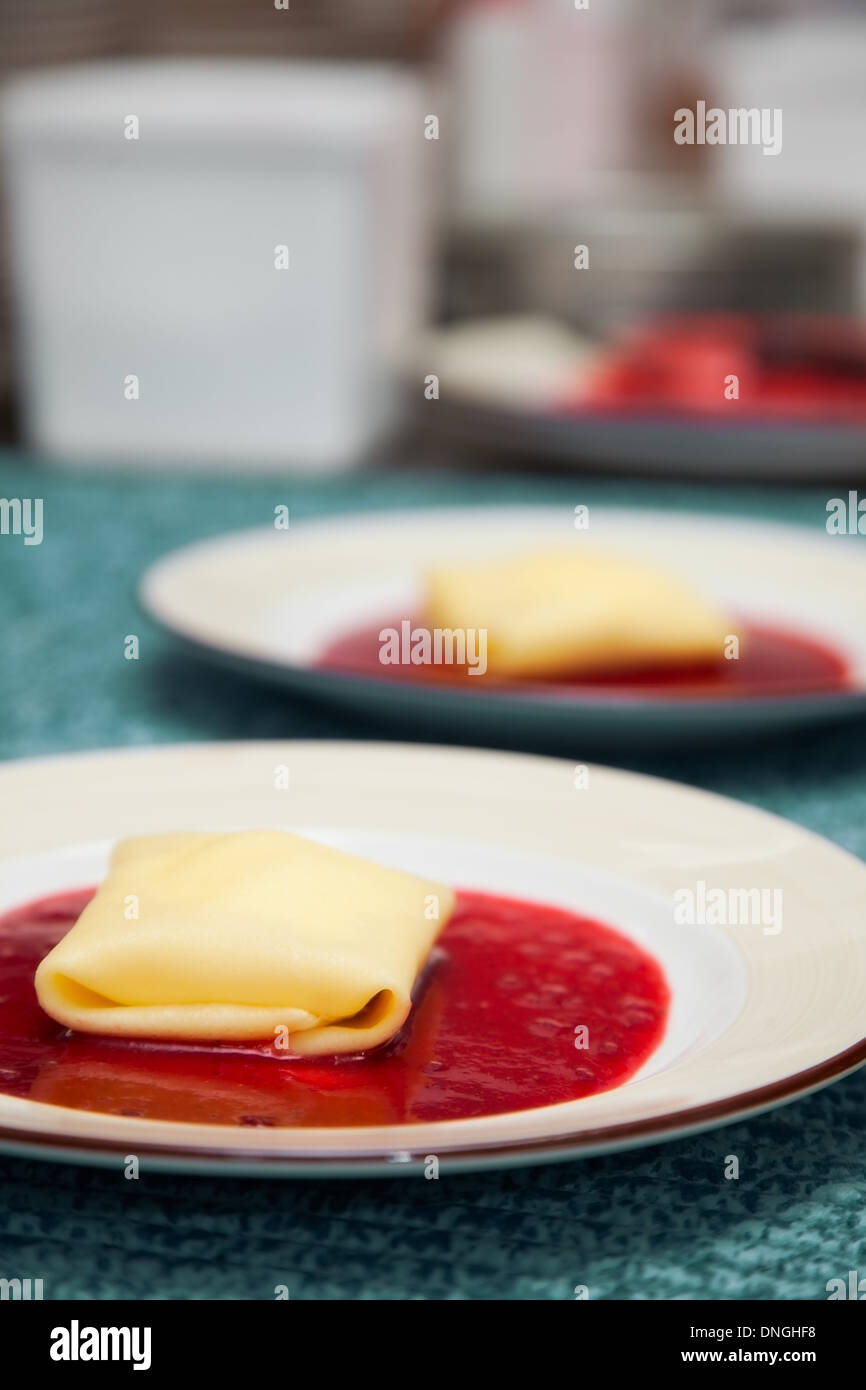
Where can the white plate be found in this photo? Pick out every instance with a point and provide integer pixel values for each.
(269, 602)
(758, 1016)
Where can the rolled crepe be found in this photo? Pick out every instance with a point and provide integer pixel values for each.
(249, 935)
(576, 611)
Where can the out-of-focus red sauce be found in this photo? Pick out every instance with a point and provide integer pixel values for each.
(772, 661)
(788, 368)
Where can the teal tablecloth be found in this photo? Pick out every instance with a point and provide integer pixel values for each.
(657, 1223)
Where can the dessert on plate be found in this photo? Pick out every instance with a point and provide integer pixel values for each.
(259, 977)
(584, 620)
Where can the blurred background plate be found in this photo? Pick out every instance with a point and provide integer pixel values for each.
(272, 602)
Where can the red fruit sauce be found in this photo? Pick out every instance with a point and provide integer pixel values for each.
(492, 1030)
(772, 661)
(793, 368)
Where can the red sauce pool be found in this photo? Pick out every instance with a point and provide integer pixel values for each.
(790, 368)
(772, 661)
(492, 1030)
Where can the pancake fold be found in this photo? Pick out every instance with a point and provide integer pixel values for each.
(244, 936)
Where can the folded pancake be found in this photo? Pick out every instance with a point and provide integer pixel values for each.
(576, 611)
(257, 934)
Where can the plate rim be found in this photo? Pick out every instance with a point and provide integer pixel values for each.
(608, 438)
(580, 1143)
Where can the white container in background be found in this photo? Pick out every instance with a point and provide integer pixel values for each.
(487, 79)
(541, 99)
(154, 258)
(811, 68)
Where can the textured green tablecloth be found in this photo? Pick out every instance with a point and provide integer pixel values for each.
(657, 1223)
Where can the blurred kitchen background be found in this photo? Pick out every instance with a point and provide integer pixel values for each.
(243, 237)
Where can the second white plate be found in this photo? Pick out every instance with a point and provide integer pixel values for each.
(269, 602)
